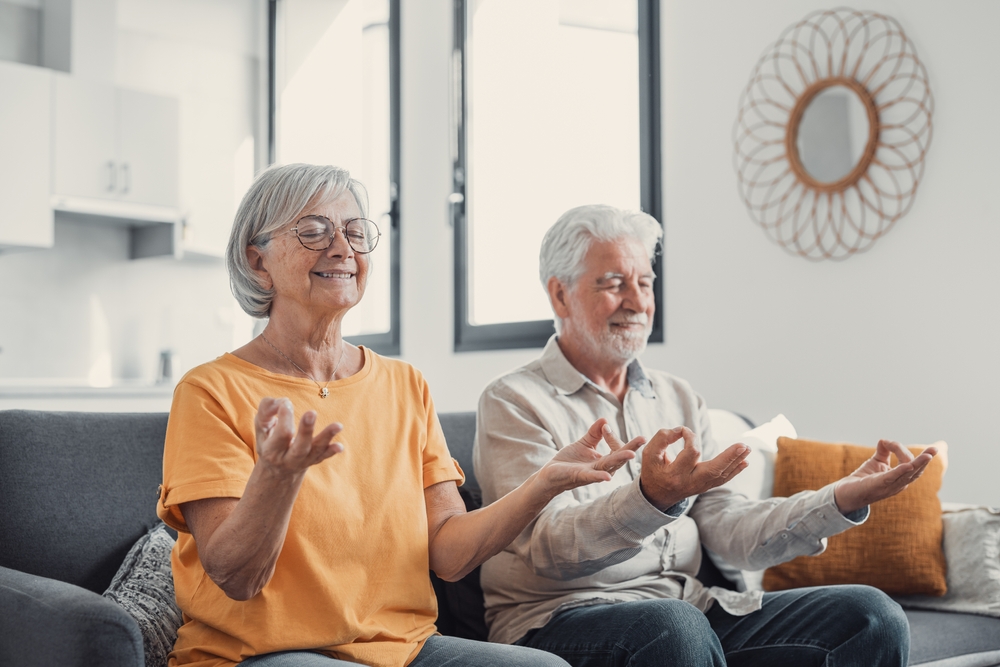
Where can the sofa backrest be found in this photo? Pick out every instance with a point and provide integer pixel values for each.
(77, 489)
(460, 432)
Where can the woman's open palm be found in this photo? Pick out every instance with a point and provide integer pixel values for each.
(580, 463)
(286, 450)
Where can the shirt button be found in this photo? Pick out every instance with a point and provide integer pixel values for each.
(822, 516)
(784, 536)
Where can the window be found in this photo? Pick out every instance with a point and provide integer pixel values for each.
(556, 104)
(334, 99)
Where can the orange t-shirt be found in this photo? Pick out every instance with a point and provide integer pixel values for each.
(352, 577)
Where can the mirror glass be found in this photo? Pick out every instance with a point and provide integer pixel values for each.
(833, 133)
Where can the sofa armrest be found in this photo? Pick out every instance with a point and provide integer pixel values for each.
(48, 622)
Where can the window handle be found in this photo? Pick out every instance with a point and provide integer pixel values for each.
(456, 207)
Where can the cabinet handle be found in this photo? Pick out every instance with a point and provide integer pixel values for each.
(112, 176)
(126, 178)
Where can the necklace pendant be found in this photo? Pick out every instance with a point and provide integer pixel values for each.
(324, 392)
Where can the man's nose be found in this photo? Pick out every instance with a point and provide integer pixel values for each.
(635, 298)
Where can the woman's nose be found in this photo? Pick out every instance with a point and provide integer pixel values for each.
(340, 247)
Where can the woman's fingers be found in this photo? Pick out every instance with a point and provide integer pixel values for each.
(593, 436)
(323, 446)
(615, 443)
(615, 460)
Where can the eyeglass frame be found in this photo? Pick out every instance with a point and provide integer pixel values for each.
(333, 233)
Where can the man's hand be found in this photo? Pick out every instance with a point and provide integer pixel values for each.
(580, 463)
(283, 450)
(876, 479)
(666, 483)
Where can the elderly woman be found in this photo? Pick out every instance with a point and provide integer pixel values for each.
(307, 523)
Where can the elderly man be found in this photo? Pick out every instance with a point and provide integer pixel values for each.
(605, 575)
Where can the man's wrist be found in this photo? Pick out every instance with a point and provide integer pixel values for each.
(666, 505)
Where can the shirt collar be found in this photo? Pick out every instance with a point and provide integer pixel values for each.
(568, 380)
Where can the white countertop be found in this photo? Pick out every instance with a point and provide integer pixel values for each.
(71, 388)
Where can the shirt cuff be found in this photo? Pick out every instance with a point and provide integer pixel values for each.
(634, 517)
(826, 519)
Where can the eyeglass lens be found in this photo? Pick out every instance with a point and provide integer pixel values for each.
(316, 233)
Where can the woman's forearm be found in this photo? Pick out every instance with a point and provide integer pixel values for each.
(466, 540)
(239, 541)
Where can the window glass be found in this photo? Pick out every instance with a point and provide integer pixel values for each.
(333, 106)
(552, 122)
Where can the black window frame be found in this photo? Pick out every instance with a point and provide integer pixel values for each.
(515, 335)
(386, 343)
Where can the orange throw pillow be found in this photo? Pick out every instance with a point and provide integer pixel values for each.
(898, 549)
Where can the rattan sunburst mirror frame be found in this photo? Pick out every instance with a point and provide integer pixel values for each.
(869, 54)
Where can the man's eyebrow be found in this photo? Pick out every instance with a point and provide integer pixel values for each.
(610, 275)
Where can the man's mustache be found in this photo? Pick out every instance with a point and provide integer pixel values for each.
(637, 318)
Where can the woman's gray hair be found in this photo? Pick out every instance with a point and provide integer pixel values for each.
(568, 240)
(277, 197)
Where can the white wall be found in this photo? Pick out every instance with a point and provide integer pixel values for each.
(899, 342)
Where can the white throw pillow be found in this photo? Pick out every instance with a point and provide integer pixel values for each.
(757, 479)
(755, 482)
(972, 551)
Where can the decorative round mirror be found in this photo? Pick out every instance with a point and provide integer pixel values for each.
(832, 132)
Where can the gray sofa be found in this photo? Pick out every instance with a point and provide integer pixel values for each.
(78, 489)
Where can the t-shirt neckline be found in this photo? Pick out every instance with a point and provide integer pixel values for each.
(246, 366)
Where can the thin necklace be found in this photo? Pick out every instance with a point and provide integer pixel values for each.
(323, 391)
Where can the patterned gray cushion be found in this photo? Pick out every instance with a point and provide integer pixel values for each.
(144, 587)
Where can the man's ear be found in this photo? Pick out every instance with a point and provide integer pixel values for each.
(256, 259)
(557, 296)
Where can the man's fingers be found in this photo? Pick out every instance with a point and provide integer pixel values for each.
(729, 461)
(664, 438)
(903, 455)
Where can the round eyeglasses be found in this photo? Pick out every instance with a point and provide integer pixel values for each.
(316, 232)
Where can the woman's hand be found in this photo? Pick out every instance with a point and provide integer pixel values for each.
(283, 450)
(580, 463)
(876, 479)
(239, 540)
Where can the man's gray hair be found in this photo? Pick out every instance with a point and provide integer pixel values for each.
(567, 242)
(277, 197)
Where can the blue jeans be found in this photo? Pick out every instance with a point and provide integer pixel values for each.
(437, 652)
(836, 626)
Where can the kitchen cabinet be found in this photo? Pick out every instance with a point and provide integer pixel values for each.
(25, 156)
(114, 144)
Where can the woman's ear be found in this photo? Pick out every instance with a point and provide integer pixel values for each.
(557, 296)
(256, 259)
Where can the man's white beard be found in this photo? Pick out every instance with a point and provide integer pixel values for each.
(621, 345)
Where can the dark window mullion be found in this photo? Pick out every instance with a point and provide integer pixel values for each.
(387, 343)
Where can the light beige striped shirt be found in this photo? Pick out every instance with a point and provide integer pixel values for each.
(605, 542)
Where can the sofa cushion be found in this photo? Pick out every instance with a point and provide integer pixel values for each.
(77, 490)
(972, 551)
(944, 639)
(144, 588)
(898, 549)
(44, 622)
